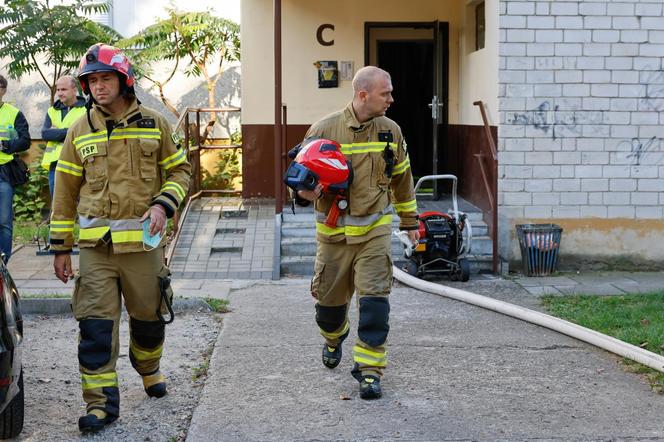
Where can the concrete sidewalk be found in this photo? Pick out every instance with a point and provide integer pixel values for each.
(457, 372)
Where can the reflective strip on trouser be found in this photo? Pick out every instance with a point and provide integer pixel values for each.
(145, 345)
(96, 303)
(340, 270)
(354, 225)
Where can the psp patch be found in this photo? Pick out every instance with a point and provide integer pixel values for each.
(86, 151)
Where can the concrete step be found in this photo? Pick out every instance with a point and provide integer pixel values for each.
(304, 265)
(302, 229)
(294, 246)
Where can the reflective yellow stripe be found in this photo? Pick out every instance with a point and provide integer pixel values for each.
(133, 133)
(61, 223)
(177, 158)
(336, 335)
(143, 355)
(89, 381)
(174, 186)
(401, 167)
(325, 230)
(127, 236)
(359, 231)
(408, 206)
(90, 138)
(353, 230)
(369, 357)
(61, 229)
(70, 168)
(348, 149)
(92, 233)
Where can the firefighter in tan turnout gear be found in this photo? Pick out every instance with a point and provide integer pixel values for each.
(355, 255)
(118, 168)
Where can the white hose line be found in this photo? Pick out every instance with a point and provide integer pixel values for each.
(593, 337)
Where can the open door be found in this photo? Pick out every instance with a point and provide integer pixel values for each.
(415, 55)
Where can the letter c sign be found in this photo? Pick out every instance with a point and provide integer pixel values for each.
(319, 34)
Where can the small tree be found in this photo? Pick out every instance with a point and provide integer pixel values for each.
(50, 40)
(205, 41)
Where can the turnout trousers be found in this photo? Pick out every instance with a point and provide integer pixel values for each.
(342, 269)
(96, 303)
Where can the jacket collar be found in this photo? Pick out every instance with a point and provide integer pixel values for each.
(101, 114)
(351, 119)
(59, 105)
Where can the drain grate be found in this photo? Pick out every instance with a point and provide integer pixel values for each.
(225, 252)
(234, 213)
(224, 230)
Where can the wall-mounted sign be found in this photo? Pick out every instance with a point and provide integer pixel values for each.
(319, 34)
(328, 74)
(346, 70)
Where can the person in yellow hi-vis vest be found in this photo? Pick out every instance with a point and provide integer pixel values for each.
(121, 175)
(355, 256)
(14, 137)
(68, 108)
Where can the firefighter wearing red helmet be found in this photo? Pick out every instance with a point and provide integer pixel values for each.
(120, 175)
(354, 254)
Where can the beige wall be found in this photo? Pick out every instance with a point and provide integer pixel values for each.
(301, 18)
(478, 69)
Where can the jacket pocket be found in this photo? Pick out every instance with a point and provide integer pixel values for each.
(378, 177)
(94, 158)
(148, 158)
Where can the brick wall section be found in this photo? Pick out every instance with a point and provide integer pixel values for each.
(581, 109)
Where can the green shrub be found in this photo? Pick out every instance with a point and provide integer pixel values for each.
(29, 200)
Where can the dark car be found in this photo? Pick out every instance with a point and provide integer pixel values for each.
(11, 368)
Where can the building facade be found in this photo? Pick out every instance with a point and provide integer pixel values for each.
(574, 91)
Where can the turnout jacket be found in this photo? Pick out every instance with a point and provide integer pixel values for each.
(373, 194)
(108, 175)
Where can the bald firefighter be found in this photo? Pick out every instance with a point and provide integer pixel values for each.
(119, 174)
(355, 255)
(65, 111)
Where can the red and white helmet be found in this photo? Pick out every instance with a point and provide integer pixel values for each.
(101, 57)
(319, 161)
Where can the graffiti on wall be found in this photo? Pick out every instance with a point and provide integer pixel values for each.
(648, 151)
(554, 122)
(654, 96)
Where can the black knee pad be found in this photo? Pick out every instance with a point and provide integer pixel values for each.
(329, 319)
(94, 349)
(147, 334)
(374, 320)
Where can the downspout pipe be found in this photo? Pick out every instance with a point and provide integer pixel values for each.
(278, 123)
(584, 334)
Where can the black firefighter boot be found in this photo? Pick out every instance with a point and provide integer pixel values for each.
(332, 355)
(94, 421)
(369, 383)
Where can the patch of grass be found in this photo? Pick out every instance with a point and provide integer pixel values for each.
(201, 370)
(636, 319)
(26, 231)
(218, 305)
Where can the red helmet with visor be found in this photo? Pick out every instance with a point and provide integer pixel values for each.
(101, 57)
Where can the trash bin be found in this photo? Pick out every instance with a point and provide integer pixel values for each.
(539, 247)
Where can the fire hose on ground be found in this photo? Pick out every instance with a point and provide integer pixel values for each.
(584, 334)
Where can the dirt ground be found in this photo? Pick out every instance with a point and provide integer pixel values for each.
(53, 400)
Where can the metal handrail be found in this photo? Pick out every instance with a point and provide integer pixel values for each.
(492, 191)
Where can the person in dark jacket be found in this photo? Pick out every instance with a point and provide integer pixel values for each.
(14, 138)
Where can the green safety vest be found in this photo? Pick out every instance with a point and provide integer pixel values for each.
(8, 115)
(53, 148)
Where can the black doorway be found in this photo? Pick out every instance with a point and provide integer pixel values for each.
(410, 63)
